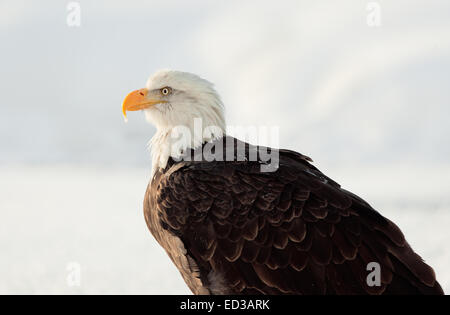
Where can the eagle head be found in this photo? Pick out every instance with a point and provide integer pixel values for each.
(174, 102)
(175, 98)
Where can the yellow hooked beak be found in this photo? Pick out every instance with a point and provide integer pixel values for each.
(137, 100)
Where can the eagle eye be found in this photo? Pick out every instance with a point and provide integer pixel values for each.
(166, 90)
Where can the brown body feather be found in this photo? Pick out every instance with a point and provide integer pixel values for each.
(232, 229)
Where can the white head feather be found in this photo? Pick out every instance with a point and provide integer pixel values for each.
(191, 98)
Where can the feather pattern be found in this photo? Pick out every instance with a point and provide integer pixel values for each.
(292, 231)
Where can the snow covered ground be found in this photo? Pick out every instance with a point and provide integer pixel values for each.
(52, 216)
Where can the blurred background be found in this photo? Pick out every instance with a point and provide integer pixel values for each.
(360, 86)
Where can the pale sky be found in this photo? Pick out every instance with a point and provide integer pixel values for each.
(340, 90)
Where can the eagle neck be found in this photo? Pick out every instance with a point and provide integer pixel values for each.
(175, 142)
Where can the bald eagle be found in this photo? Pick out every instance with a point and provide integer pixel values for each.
(232, 227)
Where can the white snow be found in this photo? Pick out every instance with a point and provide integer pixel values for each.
(52, 216)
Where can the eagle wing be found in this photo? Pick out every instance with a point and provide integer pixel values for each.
(292, 231)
